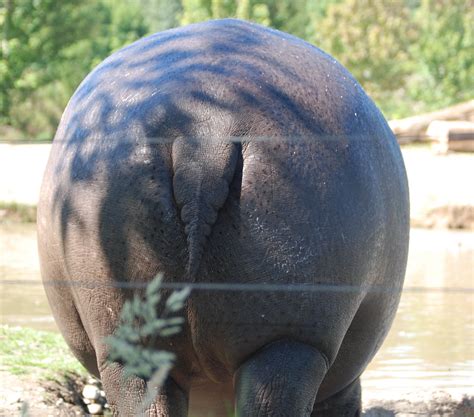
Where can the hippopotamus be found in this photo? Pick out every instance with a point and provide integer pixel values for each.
(252, 166)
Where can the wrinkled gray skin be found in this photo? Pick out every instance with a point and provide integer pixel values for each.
(327, 207)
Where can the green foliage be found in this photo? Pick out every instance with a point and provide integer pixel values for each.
(140, 325)
(160, 14)
(243, 10)
(199, 10)
(35, 33)
(195, 11)
(132, 344)
(47, 50)
(124, 23)
(371, 40)
(289, 16)
(444, 52)
(410, 55)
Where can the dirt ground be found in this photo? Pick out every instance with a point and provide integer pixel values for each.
(25, 396)
(441, 192)
(51, 398)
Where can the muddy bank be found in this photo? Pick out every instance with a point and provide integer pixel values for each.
(436, 405)
(22, 395)
(445, 217)
(441, 195)
(63, 397)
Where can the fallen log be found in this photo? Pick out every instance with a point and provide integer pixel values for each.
(414, 128)
(451, 136)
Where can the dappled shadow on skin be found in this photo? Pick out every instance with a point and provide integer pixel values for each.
(112, 171)
(179, 84)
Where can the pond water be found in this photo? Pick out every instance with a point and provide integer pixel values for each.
(431, 343)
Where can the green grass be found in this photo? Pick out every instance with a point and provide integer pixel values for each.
(26, 351)
(42, 356)
(16, 212)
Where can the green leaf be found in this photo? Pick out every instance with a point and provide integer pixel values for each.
(176, 300)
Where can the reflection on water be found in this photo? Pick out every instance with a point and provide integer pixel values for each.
(23, 305)
(431, 343)
(430, 346)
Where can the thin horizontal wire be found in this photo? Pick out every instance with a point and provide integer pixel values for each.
(258, 287)
(234, 139)
(165, 140)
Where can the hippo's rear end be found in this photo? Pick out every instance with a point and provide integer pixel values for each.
(251, 164)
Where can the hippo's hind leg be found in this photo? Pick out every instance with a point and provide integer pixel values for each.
(280, 380)
(345, 403)
(126, 398)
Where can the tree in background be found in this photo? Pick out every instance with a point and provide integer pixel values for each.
(443, 53)
(195, 11)
(372, 39)
(198, 10)
(34, 34)
(289, 16)
(410, 55)
(48, 48)
(316, 12)
(161, 14)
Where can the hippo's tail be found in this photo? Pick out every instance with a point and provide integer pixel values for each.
(203, 171)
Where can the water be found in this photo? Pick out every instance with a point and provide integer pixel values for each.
(431, 343)
(23, 305)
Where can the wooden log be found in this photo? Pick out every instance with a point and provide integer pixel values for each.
(414, 128)
(451, 136)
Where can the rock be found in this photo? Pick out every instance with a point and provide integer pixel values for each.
(91, 392)
(12, 397)
(94, 408)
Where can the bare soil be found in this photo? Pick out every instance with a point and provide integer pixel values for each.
(25, 396)
(22, 394)
(441, 195)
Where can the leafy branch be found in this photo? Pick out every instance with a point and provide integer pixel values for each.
(139, 322)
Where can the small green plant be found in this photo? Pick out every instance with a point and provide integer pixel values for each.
(133, 341)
